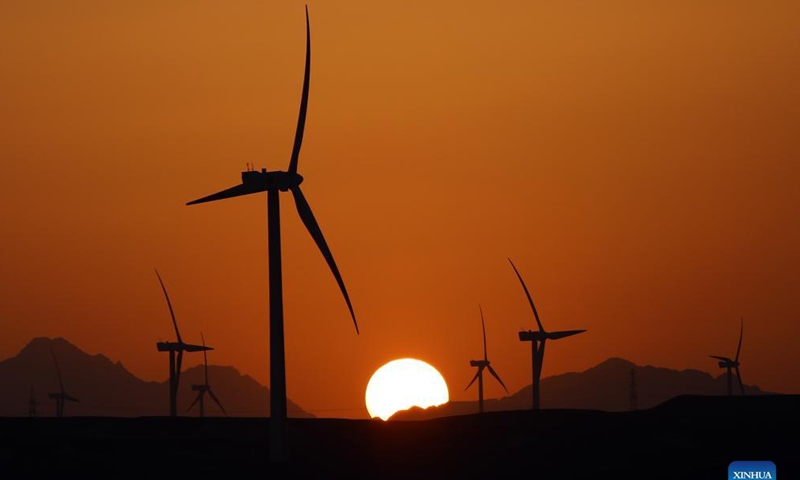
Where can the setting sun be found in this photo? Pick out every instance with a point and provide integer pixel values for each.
(402, 384)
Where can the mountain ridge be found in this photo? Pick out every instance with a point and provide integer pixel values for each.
(106, 388)
(603, 387)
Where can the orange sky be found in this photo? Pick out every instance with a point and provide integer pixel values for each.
(638, 162)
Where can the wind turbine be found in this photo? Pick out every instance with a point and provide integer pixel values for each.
(481, 365)
(273, 183)
(205, 387)
(727, 363)
(178, 347)
(61, 396)
(538, 340)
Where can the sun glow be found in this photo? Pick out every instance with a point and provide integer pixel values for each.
(402, 384)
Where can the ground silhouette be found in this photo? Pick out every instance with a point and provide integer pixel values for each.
(689, 437)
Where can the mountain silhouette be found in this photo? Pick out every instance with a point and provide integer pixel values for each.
(241, 395)
(605, 386)
(105, 388)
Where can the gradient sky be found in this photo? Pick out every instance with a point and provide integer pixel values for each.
(637, 160)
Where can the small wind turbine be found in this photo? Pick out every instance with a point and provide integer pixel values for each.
(273, 183)
(205, 387)
(727, 363)
(179, 347)
(61, 396)
(538, 340)
(481, 365)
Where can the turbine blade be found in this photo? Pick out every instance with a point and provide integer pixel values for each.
(178, 371)
(214, 397)
(540, 363)
(313, 228)
(724, 359)
(739, 348)
(196, 399)
(530, 300)
(195, 348)
(58, 370)
(236, 191)
(739, 377)
(205, 357)
(301, 119)
(563, 334)
(169, 304)
(495, 375)
(483, 325)
(474, 378)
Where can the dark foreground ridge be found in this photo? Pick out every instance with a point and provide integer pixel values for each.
(688, 437)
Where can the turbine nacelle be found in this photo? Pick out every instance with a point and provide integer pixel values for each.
(264, 180)
(725, 362)
(533, 335)
(180, 347)
(479, 363)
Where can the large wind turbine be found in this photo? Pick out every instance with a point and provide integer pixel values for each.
(725, 362)
(538, 340)
(273, 183)
(61, 396)
(205, 387)
(178, 347)
(481, 365)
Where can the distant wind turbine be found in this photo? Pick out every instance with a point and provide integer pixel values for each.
(205, 388)
(61, 396)
(178, 347)
(481, 365)
(538, 340)
(273, 183)
(727, 363)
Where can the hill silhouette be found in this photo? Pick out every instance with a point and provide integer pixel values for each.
(603, 387)
(105, 388)
(688, 437)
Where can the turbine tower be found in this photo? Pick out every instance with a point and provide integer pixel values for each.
(634, 395)
(538, 340)
(205, 388)
(481, 365)
(61, 396)
(727, 363)
(175, 348)
(32, 404)
(273, 183)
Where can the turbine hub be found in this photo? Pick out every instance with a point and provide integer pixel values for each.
(277, 180)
